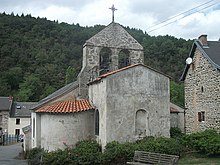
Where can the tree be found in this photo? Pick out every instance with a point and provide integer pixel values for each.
(70, 75)
(30, 89)
(177, 93)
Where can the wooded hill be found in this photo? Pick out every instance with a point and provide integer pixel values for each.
(38, 56)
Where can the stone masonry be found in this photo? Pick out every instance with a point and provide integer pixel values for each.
(202, 94)
(116, 39)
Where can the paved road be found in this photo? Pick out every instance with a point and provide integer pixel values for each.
(9, 153)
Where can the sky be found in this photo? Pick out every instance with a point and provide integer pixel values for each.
(186, 19)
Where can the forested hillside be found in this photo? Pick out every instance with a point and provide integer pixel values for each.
(38, 56)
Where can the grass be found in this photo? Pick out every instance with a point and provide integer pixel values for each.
(199, 160)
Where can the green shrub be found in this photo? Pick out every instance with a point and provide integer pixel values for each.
(207, 142)
(175, 133)
(86, 152)
(160, 145)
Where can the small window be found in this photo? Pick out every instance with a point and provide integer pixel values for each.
(202, 89)
(201, 116)
(0, 118)
(18, 121)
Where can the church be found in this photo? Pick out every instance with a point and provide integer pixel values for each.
(115, 98)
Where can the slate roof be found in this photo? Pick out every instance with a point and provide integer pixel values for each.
(211, 52)
(56, 94)
(22, 109)
(5, 103)
(69, 106)
(125, 68)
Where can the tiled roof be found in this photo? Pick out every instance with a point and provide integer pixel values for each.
(69, 106)
(175, 108)
(127, 67)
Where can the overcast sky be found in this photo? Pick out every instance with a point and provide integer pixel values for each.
(140, 14)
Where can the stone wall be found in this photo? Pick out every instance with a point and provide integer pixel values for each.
(4, 123)
(202, 94)
(116, 39)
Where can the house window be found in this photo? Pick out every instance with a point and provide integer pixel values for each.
(202, 89)
(201, 116)
(0, 118)
(97, 123)
(18, 121)
(17, 131)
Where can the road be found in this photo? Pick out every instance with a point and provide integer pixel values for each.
(9, 153)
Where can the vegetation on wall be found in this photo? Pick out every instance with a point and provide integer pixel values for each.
(38, 56)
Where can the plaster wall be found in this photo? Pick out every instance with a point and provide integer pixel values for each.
(58, 130)
(202, 93)
(126, 92)
(98, 96)
(35, 130)
(12, 124)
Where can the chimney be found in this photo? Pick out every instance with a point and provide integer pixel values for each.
(203, 40)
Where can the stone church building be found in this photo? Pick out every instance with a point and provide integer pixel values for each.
(201, 78)
(116, 97)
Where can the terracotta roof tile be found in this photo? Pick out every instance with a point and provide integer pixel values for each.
(69, 106)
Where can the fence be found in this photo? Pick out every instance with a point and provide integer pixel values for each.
(8, 139)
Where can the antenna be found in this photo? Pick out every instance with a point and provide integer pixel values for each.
(189, 61)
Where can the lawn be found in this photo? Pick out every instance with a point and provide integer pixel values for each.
(199, 160)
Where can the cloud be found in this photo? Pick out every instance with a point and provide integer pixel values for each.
(140, 14)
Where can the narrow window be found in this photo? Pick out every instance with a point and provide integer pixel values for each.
(123, 58)
(105, 61)
(202, 89)
(33, 127)
(17, 121)
(0, 119)
(201, 116)
(97, 123)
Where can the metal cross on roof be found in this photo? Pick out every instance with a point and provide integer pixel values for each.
(113, 10)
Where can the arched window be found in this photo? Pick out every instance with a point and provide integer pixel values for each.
(105, 60)
(141, 123)
(123, 58)
(97, 122)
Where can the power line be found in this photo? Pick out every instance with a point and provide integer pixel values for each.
(182, 16)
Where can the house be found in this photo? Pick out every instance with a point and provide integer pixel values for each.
(5, 108)
(115, 97)
(201, 78)
(20, 116)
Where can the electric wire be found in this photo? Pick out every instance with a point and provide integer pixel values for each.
(182, 16)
